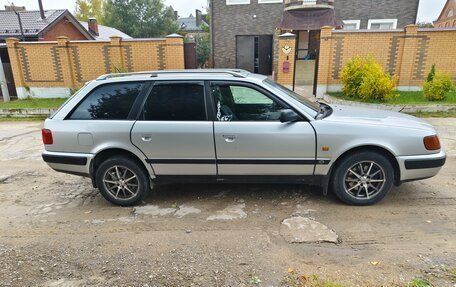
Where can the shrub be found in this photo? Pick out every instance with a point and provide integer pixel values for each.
(364, 78)
(431, 74)
(438, 87)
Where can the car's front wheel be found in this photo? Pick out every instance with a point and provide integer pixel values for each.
(122, 181)
(363, 178)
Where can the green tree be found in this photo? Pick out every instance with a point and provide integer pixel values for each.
(86, 9)
(203, 49)
(425, 24)
(140, 18)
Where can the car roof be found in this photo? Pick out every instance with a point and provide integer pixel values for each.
(200, 74)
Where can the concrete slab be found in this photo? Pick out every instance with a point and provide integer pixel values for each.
(305, 230)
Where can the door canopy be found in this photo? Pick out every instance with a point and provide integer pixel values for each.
(308, 19)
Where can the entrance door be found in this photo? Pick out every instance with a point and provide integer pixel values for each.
(254, 53)
(251, 140)
(265, 55)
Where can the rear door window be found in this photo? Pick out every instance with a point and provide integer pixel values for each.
(175, 102)
(108, 102)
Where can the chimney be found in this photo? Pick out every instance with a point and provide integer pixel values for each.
(176, 15)
(198, 18)
(41, 9)
(93, 26)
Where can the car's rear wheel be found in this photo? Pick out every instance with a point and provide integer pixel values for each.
(363, 178)
(122, 181)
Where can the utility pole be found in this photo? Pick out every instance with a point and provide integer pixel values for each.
(20, 21)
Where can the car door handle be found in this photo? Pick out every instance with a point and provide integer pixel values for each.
(146, 138)
(229, 138)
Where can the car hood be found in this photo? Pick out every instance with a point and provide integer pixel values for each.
(356, 115)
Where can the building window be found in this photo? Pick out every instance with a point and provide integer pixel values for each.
(352, 24)
(237, 2)
(269, 1)
(450, 13)
(382, 24)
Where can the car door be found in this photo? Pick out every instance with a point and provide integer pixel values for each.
(173, 131)
(251, 140)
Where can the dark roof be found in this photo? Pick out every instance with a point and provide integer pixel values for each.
(309, 19)
(32, 24)
(189, 24)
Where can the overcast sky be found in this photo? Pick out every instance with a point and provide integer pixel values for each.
(429, 9)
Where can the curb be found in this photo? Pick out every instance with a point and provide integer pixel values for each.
(26, 113)
(424, 108)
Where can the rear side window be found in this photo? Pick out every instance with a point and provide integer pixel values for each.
(108, 102)
(175, 102)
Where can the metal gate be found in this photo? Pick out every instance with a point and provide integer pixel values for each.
(191, 61)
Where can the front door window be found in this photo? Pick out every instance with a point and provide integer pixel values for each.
(240, 103)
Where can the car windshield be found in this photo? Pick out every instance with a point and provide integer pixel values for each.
(312, 105)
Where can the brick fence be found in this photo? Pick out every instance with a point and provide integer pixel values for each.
(53, 69)
(408, 54)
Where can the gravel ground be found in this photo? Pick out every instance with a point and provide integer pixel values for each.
(56, 230)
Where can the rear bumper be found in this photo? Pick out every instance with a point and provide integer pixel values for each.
(72, 163)
(421, 166)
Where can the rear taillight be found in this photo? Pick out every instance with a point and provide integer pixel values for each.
(432, 143)
(47, 136)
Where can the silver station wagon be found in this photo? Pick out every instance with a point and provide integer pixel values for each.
(127, 132)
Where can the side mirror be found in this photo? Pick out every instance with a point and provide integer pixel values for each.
(289, 116)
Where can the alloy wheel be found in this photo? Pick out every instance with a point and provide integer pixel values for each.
(121, 182)
(364, 180)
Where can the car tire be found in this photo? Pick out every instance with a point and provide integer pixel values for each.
(122, 181)
(363, 178)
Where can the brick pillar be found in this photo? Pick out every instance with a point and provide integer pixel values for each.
(287, 54)
(65, 62)
(16, 66)
(324, 62)
(116, 56)
(174, 52)
(409, 55)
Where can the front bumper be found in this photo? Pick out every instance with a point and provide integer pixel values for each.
(72, 163)
(420, 166)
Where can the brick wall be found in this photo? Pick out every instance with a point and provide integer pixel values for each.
(63, 28)
(50, 69)
(228, 21)
(286, 54)
(408, 54)
(403, 10)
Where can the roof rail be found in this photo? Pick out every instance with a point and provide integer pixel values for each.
(235, 73)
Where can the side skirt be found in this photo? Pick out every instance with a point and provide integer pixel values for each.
(318, 180)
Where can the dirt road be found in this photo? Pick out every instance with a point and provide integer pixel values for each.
(56, 230)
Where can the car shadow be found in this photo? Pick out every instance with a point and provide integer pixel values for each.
(268, 192)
